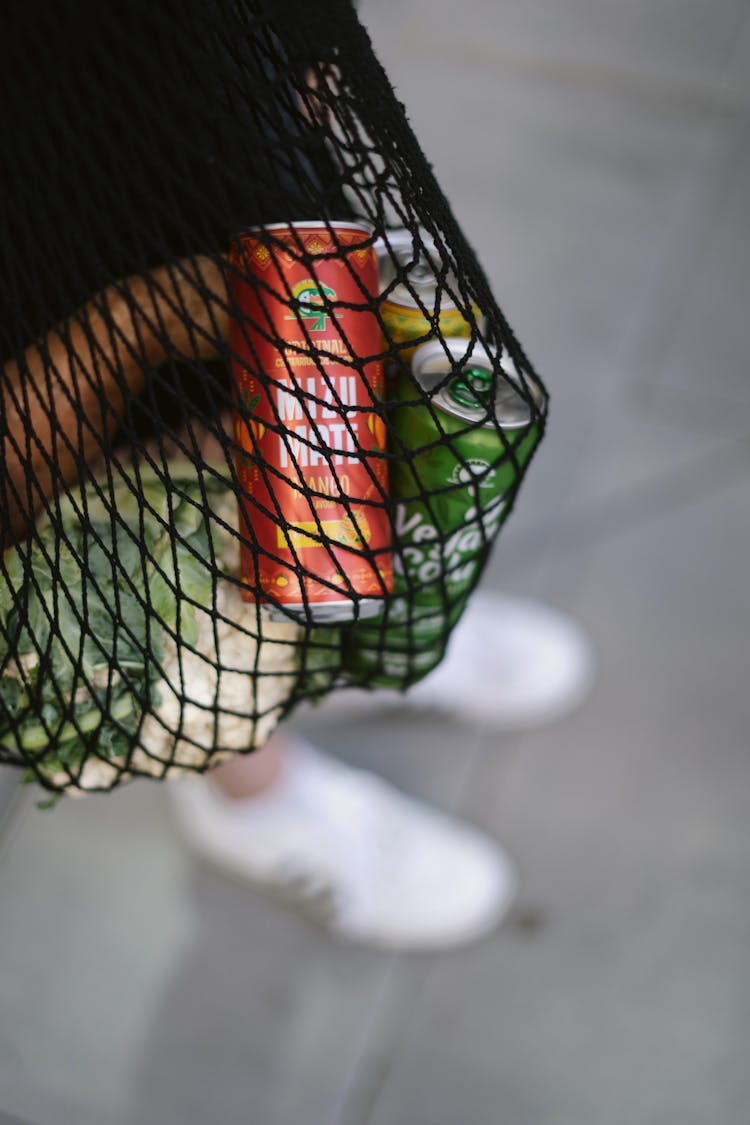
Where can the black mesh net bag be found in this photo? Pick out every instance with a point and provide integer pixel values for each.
(262, 417)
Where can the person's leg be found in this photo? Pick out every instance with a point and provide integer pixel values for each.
(372, 864)
(247, 776)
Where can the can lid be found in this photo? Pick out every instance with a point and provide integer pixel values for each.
(410, 265)
(458, 376)
(312, 224)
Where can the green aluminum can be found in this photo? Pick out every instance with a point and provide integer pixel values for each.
(461, 440)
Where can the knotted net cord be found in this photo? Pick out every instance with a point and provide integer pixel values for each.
(139, 142)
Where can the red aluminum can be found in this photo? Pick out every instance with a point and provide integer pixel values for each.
(304, 341)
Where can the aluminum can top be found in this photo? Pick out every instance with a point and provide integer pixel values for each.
(458, 377)
(403, 259)
(332, 225)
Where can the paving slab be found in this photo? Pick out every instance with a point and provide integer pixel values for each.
(619, 991)
(660, 44)
(93, 917)
(136, 984)
(584, 209)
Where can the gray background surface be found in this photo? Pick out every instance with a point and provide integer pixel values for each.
(597, 154)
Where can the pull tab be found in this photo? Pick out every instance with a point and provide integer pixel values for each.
(472, 388)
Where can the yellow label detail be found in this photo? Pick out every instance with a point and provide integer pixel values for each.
(342, 531)
(262, 255)
(404, 323)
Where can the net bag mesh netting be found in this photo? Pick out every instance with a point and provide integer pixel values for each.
(262, 417)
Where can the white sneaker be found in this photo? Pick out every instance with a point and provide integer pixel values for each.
(511, 664)
(371, 864)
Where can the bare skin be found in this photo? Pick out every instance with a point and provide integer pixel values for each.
(249, 775)
(67, 394)
(65, 397)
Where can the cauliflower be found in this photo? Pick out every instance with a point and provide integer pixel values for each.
(125, 645)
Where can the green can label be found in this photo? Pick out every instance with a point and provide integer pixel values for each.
(452, 484)
(440, 545)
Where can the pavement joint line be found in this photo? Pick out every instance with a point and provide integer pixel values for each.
(391, 1023)
(406, 980)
